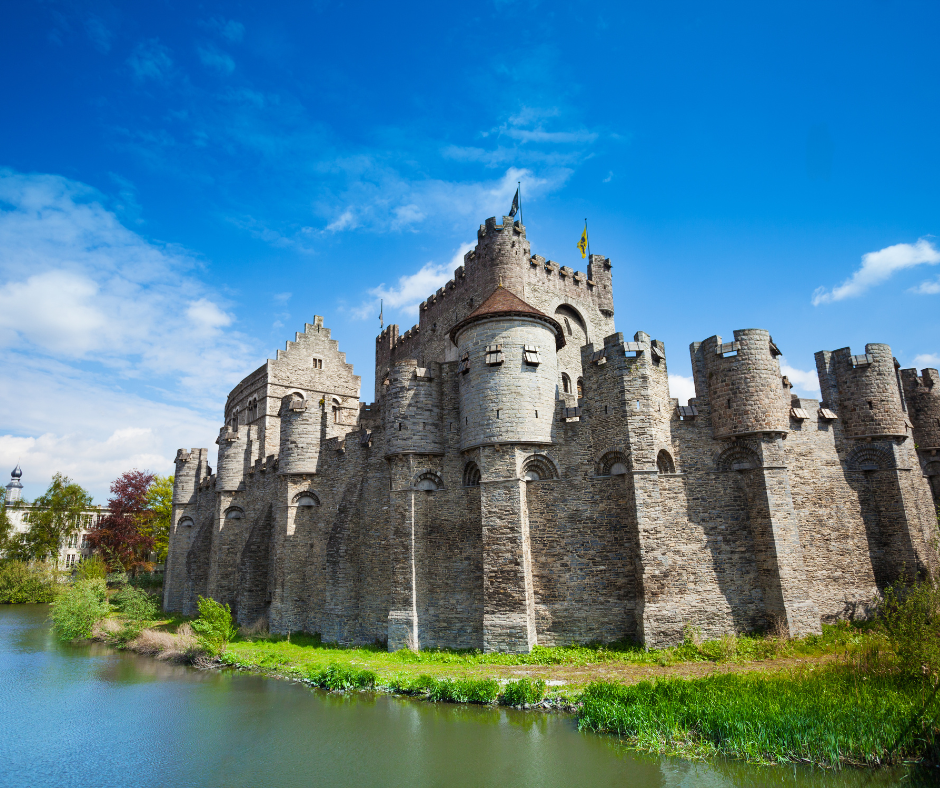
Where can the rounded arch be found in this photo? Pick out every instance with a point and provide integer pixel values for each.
(428, 481)
(538, 467)
(234, 513)
(565, 383)
(664, 462)
(471, 474)
(612, 463)
(306, 498)
(737, 458)
(869, 458)
(569, 315)
(580, 388)
(932, 468)
(185, 522)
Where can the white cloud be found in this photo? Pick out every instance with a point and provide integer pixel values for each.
(924, 360)
(806, 382)
(216, 59)
(345, 221)
(233, 31)
(927, 288)
(411, 289)
(151, 60)
(681, 387)
(879, 266)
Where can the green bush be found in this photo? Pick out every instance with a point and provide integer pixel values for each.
(22, 582)
(92, 568)
(75, 611)
(138, 608)
(214, 628)
(518, 693)
(464, 690)
(909, 617)
(340, 677)
(147, 580)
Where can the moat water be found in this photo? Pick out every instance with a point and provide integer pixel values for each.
(88, 715)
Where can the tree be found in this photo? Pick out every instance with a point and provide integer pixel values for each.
(53, 517)
(160, 503)
(120, 537)
(6, 525)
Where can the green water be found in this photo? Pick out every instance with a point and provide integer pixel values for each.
(91, 716)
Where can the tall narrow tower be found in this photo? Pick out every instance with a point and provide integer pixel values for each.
(15, 487)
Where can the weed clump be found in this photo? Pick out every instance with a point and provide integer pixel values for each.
(521, 692)
(138, 608)
(341, 677)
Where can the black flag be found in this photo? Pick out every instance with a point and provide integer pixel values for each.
(515, 203)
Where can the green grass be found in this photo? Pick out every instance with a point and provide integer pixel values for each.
(830, 715)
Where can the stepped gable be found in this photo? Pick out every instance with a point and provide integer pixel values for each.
(503, 302)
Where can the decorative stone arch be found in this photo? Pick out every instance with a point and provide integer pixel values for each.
(737, 458)
(664, 462)
(428, 481)
(612, 463)
(185, 522)
(306, 498)
(471, 474)
(932, 468)
(869, 458)
(563, 310)
(537, 467)
(234, 513)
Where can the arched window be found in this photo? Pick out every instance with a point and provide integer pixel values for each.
(613, 463)
(307, 498)
(428, 482)
(580, 388)
(234, 513)
(471, 475)
(234, 422)
(538, 468)
(565, 383)
(185, 522)
(664, 462)
(335, 411)
(737, 458)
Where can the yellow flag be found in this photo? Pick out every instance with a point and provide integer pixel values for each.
(582, 244)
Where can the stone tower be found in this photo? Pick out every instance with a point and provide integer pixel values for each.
(922, 394)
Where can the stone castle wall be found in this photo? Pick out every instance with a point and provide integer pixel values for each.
(449, 514)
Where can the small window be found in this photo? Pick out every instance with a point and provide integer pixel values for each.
(728, 349)
(306, 500)
(580, 388)
(664, 462)
(531, 355)
(494, 355)
(471, 475)
(565, 383)
(567, 326)
(864, 360)
(318, 363)
(464, 366)
(687, 412)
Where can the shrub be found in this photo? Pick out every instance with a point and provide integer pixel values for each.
(518, 693)
(214, 628)
(147, 580)
(139, 609)
(93, 568)
(22, 582)
(340, 677)
(75, 611)
(909, 617)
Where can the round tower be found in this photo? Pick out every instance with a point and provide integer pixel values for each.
(15, 487)
(869, 393)
(413, 420)
(301, 430)
(745, 388)
(231, 462)
(923, 405)
(503, 251)
(507, 372)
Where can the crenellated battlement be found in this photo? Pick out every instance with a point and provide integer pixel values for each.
(922, 395)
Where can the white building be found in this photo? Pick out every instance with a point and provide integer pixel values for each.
(76, 546)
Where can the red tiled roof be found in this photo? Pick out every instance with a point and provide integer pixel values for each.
(504, 302)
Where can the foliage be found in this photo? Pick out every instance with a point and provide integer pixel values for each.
(342, 677)
(159, 499)
(22, 581)
(119, 536)
(833, 715)
(138, 608)
(523, 691)
(54, 516)
(464, 690)
(90, 568)
(75, 611)
(214, 628)
(909, 617)
(146, 580)
(6, 524)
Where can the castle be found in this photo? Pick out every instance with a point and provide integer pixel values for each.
(523, 477)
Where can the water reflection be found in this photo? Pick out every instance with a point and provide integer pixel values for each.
(90, 716)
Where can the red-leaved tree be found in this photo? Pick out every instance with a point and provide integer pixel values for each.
(119, 537)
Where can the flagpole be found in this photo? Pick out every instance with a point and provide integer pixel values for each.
(519, 186)
(588, 238)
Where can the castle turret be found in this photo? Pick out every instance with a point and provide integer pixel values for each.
(922, 395)
(231, 471)
(413, 409)
(191, 468)
(15, 487)
(745, 388)
(863, 390)
(302, 426)
(507, 372)
(503, 251)
(599, 273)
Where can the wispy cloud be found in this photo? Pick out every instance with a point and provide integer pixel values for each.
(681, 387)
(216, 59)
(151, 60)
(927, 360)
(878, 267)
(929, 287)
(99, 35)
(411, 289)
(805, 382)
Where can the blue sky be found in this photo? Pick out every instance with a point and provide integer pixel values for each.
(183, 185)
